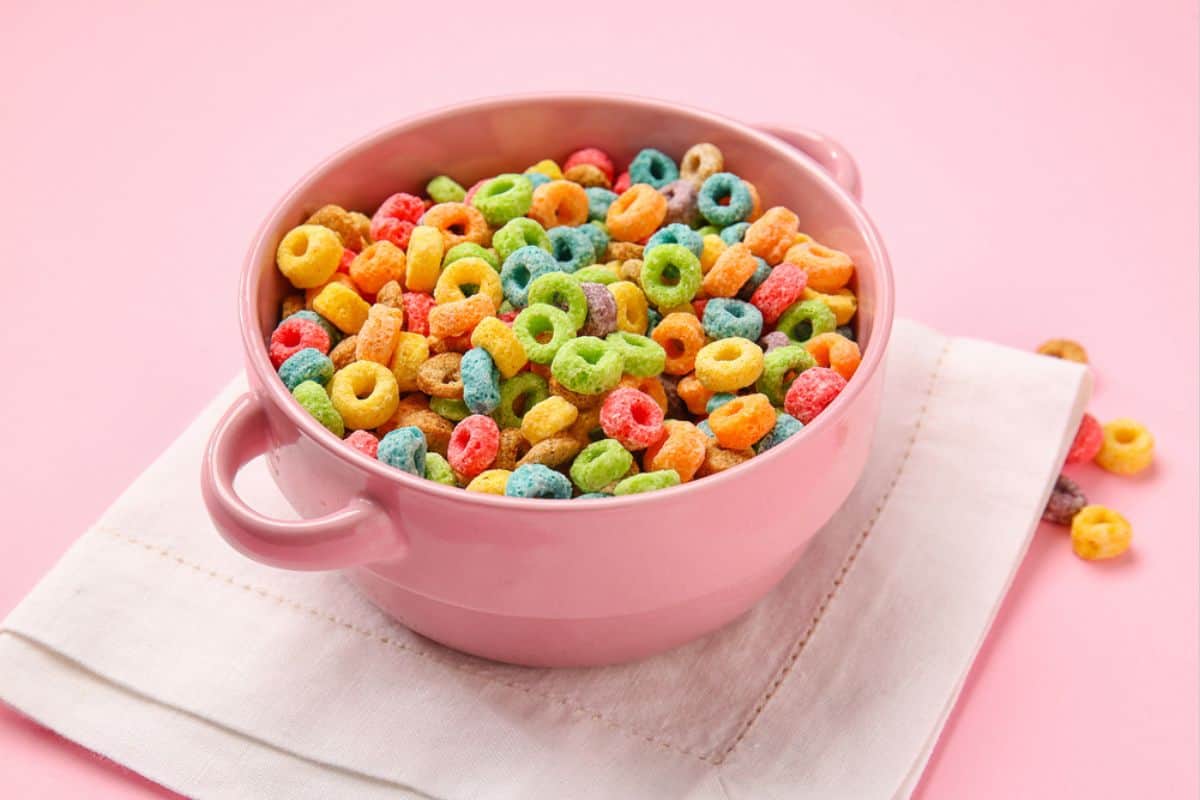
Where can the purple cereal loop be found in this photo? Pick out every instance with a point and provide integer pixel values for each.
(676, 408)
(601, 310)
(1065, 501)
(683, 203)
(774, 339)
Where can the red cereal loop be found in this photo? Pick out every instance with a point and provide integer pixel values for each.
(699, 304)
(811, 392)
(396, 218)
(590, 155)
(293, 335)
(416, 312)
(1088, 440)
(473, 445)
(348, 257)
(474, 188)
(508, 316)
(631, 417)
(783, 287)
(364, 442)
(623, 183)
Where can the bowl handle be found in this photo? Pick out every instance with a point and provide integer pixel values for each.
(358, 534)
(832, 157)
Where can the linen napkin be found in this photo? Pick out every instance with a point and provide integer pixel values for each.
(156, 645)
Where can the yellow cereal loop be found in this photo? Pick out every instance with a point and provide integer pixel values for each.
(464, 272)
(501, 344)
(1098, 532)
(714, 245)
(412, 350)
(632, 311)
(1127, 447)
(727, 365)
(338, 277)
(842, 303)
(490, 481)
(308, 255)
(425, 249)
(365, 394)
(342, 306)
(548, 168)
(552, 415)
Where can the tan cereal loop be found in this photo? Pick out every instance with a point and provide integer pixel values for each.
(440, 377)
(553, 452)
(1065, 349)
(341, 222)
(345, 353)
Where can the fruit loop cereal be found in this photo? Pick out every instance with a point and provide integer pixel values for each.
(587, 330)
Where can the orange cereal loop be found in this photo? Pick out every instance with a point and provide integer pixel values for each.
(1064, 348)
(376, 340)
(636, 214)
(338, 277)
(559, 202)
(828, 269)
(772, 234)
(586, 424)
(341, 222)
(623, 251)
(842, 303)
(469, 272)
(651, 386)
(390, 294)
(459, 318)
(755, 201)
(449, 344)
(459, 223)
(682, 336)
(730, 272)
(694, 394)
(342, 306)
(376, 266)
(742, 421)
(682, 449)
(588, 176)
(835, 351)
(425, 247)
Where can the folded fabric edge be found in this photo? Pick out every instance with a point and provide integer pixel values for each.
(91, 724)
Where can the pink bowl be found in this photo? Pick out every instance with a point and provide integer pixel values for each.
(550, 583)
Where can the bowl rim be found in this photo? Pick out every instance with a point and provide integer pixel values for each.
(256, 352)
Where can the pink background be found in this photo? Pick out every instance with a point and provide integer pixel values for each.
(1033, 169)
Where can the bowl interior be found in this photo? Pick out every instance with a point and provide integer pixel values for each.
(482, 139)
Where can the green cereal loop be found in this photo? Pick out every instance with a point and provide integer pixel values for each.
(452, 408)
(647, 482)
(777, 365)
(559, 289)
(818, 316)
(504, 197)
(642, 356)
(599, 464)
(471, 250)
(670, 275)
(444, 189)
(707, 229)
(587, 365)
(536, 320)
(312, 396)
(523, 390)
(437, 469)
(597, 273)
(518, 233)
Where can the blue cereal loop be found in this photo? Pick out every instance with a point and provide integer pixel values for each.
(335, 335)
(480, 380)
(725, 185)
(538, 481)
(599, 236)
(734, 233)
(599, 199)
(404, 448)
(537, 178)
(571, 248)
(754, 281)
(309, 364)
(677, 233)
(520, 269)
(785, 425)
(725, 317)
(653, 167)
(717, 400)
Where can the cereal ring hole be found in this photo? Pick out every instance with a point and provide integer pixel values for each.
(1125, 435)
(299, 243)
(289, 336)
(803, 331)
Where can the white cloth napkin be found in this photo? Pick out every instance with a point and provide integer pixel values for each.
(156, 645)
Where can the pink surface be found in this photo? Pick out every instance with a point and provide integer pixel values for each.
(1032, 168)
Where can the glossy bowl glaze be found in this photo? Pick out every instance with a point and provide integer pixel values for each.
(534, 581)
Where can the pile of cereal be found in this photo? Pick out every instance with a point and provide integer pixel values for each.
(1123, 447)
(560, 333)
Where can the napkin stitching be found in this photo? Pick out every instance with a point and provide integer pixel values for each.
(847, 564)
(387, 641)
